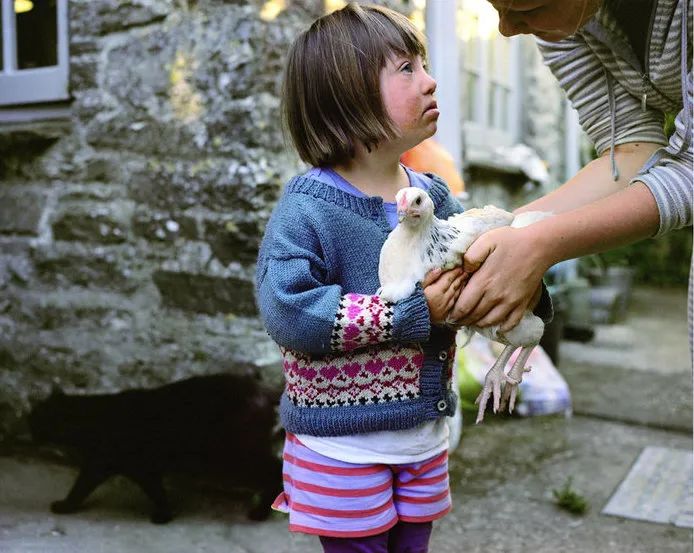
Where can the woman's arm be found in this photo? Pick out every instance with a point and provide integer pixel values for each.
(595, 180)
(594, 213)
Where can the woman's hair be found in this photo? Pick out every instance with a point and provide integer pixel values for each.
(331, 97)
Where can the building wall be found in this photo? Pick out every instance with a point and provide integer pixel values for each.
(542, 127)
(543, 123)
(129, 229)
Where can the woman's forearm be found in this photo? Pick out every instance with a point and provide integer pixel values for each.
(593, 213)
(508, 263)
(626, 216)
(595, 180)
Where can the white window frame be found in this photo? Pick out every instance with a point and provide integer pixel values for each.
(29, 86)
(444, 62)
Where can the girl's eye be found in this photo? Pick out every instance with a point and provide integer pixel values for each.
(407, 67)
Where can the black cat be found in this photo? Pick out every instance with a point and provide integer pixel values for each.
(220, 424)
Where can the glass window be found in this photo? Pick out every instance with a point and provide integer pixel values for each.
(34, 61)
(37, 34)
(498, 107)
(470, 95)
(486, 66)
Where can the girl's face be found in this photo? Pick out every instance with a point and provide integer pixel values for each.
(550, 20)
(407, 91)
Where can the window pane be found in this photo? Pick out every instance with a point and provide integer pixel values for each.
(468, 33)
(37, 33)
(470, 49)
(492, 106)
(502, 62)
(470, 89)
(502, 109)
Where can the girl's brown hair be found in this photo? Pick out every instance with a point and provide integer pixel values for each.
(331, 96)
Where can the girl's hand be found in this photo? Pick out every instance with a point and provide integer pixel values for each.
(506, 272)
(441, 289)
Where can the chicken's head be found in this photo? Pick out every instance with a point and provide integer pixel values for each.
(415, 207)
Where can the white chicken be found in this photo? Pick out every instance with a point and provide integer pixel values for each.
(421, 242)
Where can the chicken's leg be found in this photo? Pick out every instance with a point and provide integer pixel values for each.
(514, 378)
(492, 383)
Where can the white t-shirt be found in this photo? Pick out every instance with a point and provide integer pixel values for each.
(390, 447)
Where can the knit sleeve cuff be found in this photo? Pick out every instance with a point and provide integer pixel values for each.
(544, 308)
(411, 318)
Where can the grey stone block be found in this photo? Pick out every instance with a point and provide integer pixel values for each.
(21, 210)
(206, 294)
(233, 240)
(91, 222)
(66, 269)
(164, 227)
(101, 17)
(83, 72)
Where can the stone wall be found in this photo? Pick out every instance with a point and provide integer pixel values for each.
(128, 230)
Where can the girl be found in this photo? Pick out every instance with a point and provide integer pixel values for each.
(368, 383)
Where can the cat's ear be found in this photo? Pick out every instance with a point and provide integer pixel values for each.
(56, 391)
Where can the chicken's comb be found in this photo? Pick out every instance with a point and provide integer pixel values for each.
(402, 202)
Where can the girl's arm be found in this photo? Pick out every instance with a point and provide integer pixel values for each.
(304, 310)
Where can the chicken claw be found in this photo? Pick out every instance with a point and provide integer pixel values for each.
(492, 383)
(514, 378)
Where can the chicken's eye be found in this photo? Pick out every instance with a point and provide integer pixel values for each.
(418, 201)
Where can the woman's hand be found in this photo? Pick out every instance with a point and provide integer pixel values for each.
(506, 273)
(441, 289)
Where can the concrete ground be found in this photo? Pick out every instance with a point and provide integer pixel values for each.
(631, 387)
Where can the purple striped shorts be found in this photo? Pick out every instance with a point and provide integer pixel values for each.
(327, 497)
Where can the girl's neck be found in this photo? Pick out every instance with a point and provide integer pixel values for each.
(375, 173)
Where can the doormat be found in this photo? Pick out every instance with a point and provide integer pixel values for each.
(658, 488)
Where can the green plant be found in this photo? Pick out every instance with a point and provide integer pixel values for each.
(569, 500)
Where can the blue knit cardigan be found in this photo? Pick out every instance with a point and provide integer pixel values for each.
(352, 362)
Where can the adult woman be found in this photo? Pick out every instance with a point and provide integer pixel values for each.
(623, 66)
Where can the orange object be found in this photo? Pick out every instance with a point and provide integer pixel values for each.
(430, 157)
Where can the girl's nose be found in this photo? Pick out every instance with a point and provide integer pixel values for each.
(429, 84)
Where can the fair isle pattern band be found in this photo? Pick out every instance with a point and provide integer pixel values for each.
(372, 375)
(361, 321)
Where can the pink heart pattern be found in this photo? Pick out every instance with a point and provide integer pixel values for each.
(377, 374)
(361, 320)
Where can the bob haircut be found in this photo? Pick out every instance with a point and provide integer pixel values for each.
(331, 96)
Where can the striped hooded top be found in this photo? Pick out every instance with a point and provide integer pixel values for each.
(621, 100)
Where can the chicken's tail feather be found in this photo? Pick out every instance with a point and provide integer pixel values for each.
(464, 333)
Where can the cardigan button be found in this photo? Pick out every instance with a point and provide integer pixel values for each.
(441, 406)
(443, 355)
